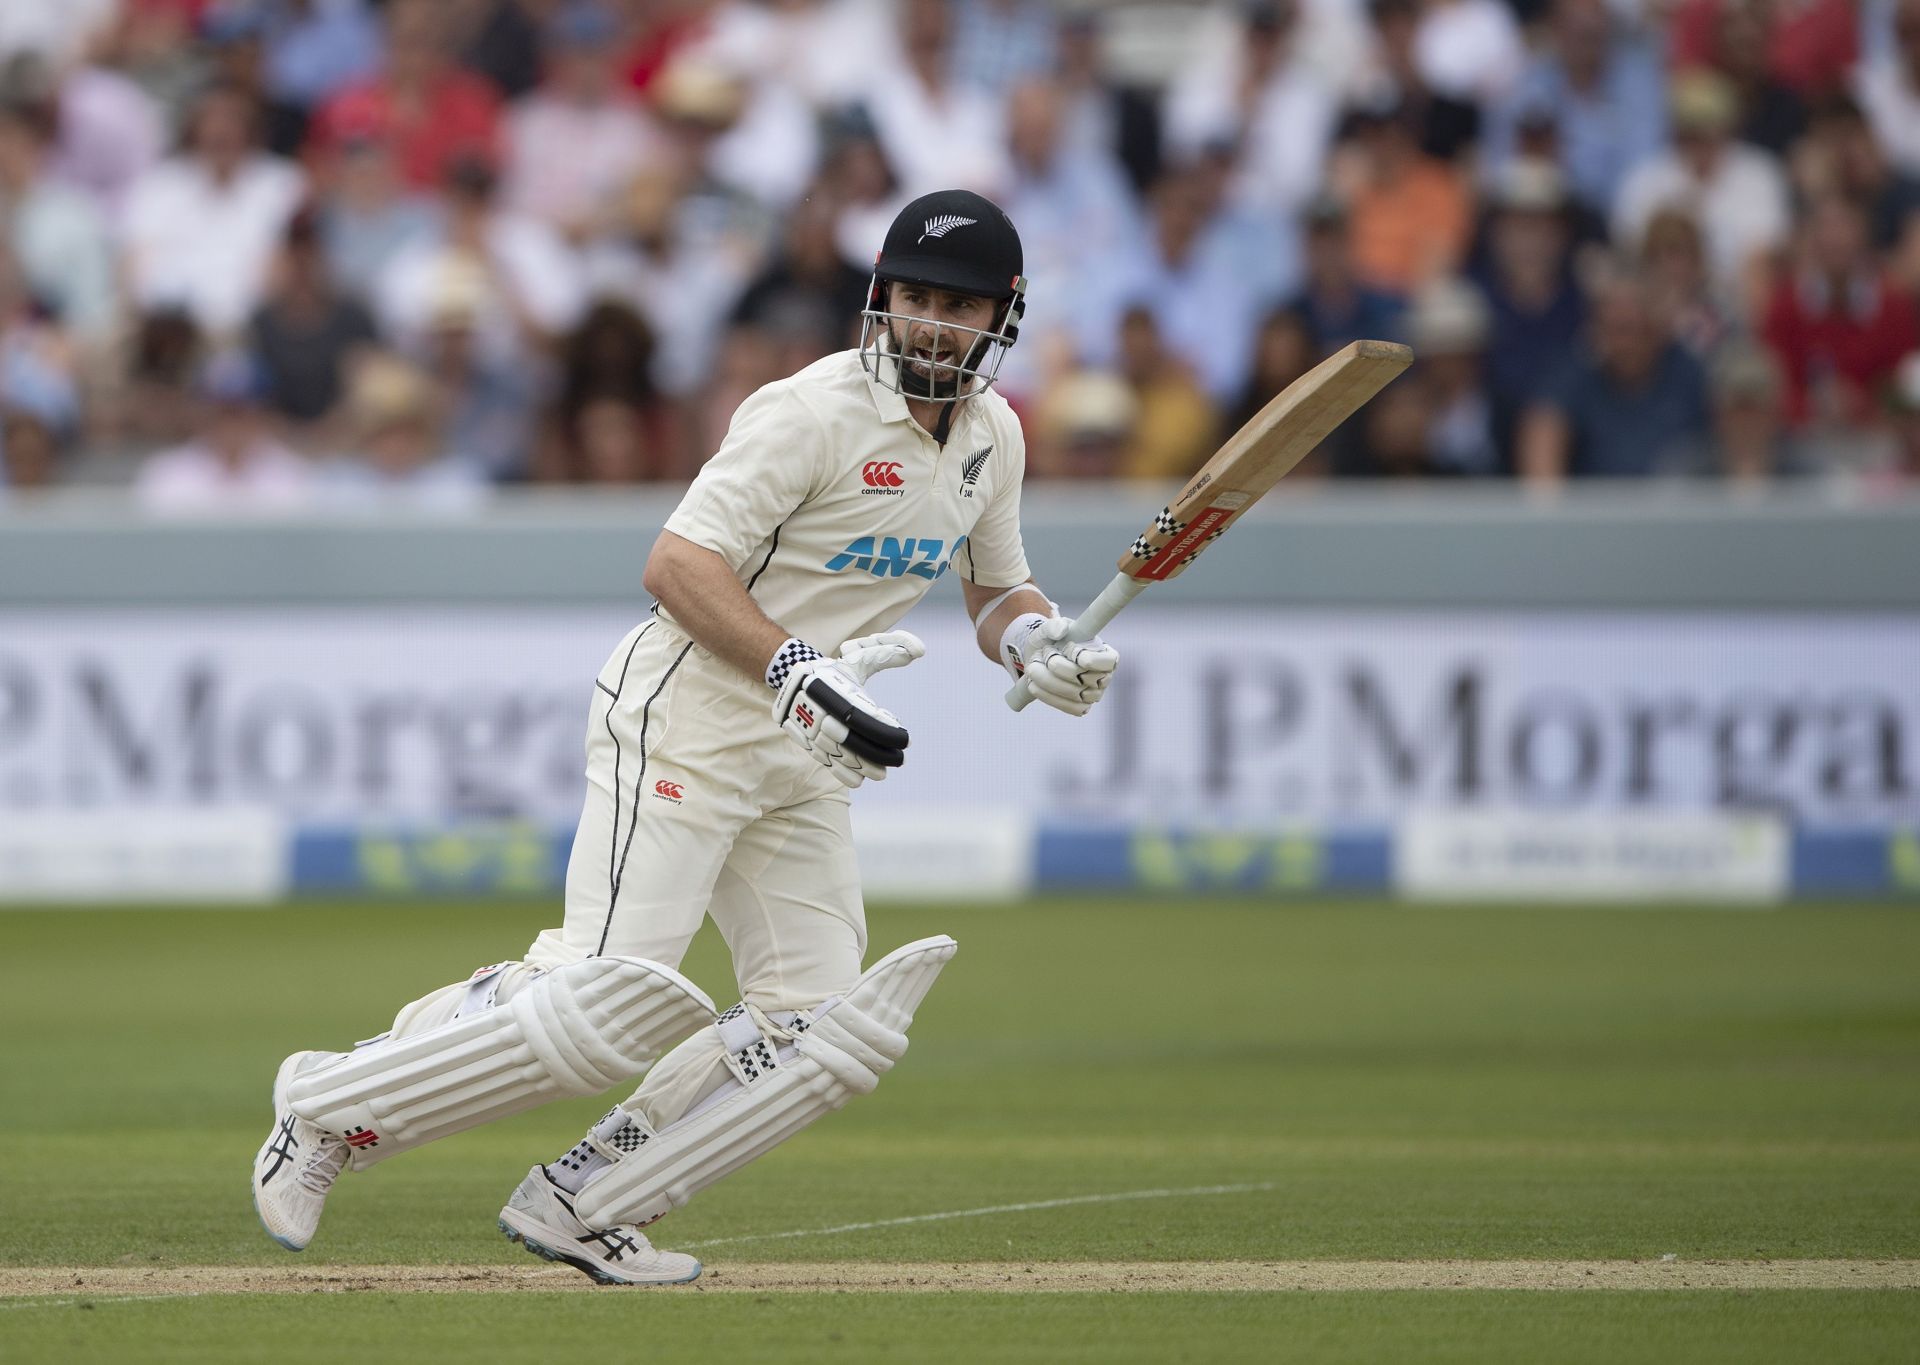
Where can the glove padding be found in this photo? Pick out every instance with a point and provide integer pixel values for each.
(1068, 675)
(824, 707)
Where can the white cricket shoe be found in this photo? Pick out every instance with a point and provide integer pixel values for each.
(297, 1165)
(540, 1216)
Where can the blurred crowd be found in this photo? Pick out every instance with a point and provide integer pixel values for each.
(293, 253)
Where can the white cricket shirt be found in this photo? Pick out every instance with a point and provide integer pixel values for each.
(838, 512)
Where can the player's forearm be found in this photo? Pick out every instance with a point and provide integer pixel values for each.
(699, 590)
(991, 620)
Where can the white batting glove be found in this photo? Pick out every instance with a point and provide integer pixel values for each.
(871, 654)
(1068, 675)
(823, 704)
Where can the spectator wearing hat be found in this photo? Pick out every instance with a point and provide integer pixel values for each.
(730, 117)
(1335, 306)
(489, 383)
(306, 332)
(1536, 310)
(1630, 403)
(1736, 192)
(574, 143)
(1448, 327)
(528, 283)
(234, 464)
(1083, 427)
(1600, 83)
(399, 461)
(433, 112)
(53, 231)
(1751, 445)
(1836, 322)
(201, 228)
(1272, 111)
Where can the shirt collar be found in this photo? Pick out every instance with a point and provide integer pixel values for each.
(889, 402)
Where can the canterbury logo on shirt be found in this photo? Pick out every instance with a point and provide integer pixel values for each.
(897, 557)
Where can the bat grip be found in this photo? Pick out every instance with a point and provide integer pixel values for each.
(1089, 623)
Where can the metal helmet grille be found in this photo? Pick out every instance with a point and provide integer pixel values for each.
(976, 353)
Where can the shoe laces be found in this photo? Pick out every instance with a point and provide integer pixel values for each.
(323, 1165)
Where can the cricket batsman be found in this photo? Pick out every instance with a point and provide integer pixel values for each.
(725, 736)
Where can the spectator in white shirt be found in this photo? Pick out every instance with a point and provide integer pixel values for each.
(935, 130)
(201, 228)
(234, 464)
(574, 143)
(54, 231)
(400, 460)
(1736, 192)
(1274, 109)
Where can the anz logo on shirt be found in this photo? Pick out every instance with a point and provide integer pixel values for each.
(897, 556)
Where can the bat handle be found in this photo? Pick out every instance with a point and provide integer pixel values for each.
(1089, 623)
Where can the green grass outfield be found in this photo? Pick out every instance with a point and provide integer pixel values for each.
(1376, 1083)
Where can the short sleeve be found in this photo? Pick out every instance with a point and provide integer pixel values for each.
(763, 470)
(994, 556)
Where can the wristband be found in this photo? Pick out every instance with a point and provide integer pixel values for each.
(1016, 635)
(787, 658)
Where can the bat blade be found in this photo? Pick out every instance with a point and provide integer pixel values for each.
(1258, 455)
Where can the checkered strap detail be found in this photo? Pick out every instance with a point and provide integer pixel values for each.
(787, 658)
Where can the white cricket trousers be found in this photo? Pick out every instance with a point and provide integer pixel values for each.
(698, 805)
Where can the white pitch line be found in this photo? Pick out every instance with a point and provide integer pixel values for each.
(1118, 1198)
(116, 1298)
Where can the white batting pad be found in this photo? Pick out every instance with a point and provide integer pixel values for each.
(576, 1030)
(840, 1050)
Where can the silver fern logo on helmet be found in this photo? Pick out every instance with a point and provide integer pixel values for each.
(945, 223)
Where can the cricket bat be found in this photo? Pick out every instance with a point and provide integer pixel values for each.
(1253, 460)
